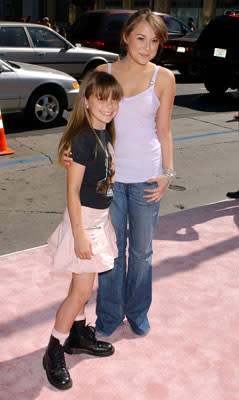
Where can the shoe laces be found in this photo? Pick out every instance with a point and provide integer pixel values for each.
(89, 333)
(60, 357)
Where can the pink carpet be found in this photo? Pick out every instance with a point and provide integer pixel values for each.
(192, 350)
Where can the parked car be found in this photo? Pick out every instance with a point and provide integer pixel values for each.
(179, 51)
(216, 54)
(39, 92)
(102, 28)
(38, 44)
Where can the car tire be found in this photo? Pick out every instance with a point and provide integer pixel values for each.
(45, 107)
(215, 85)
(92, 65)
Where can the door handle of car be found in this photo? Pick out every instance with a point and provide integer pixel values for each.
(41, 54)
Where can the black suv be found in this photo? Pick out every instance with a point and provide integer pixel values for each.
(216, 54)
(102, 28)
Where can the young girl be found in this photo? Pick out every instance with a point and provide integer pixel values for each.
(83, 243)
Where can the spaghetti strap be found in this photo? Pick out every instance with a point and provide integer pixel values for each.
(154, 75)
(109, 68)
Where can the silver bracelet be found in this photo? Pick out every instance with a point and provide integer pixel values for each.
(169, 174)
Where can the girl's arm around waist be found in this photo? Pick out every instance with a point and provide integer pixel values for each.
(75, 174)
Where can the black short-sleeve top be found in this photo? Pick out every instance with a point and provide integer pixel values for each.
(97, 185)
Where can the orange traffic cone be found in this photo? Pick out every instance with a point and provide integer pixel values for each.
(3, 143)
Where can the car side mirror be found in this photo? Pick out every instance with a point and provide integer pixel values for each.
(77, 45)
(67, 46)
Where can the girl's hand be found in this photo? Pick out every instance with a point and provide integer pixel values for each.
(83, 248)
(157, 193)
(66, 160)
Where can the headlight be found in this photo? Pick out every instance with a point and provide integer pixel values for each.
(75, 85)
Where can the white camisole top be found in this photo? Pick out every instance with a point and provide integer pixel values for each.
(138, 154)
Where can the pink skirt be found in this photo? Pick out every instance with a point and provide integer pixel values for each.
(100, 231)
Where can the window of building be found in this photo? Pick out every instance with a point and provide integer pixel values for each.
(113, 4)
(137, 4)
(186, 3)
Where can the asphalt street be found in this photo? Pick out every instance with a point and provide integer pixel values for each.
(32, 188)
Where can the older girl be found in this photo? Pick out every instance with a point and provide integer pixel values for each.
(144, 168)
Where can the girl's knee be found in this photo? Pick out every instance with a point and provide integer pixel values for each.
(82, 297)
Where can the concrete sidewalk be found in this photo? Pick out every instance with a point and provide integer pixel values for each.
(192, 350)
(32, 189)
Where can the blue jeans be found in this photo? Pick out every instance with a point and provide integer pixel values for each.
(128, 292)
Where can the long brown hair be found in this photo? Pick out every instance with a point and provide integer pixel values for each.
(155, 21)
(101, 84)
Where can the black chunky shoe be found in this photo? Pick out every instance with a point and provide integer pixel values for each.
(233, 195)
(55, 365)
(82, 340)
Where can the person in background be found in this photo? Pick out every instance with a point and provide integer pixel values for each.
(46, 22)
(191, 24)
(68, 32)
(63, 32)
(54, 26)
(83, 243)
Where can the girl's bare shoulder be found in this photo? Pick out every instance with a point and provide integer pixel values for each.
(165, 79)
(165, 74)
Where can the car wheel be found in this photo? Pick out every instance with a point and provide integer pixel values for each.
(92, 65)
(45, 107)
(215, 85)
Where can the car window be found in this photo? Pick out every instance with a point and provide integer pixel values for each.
(173, 25)
(220, 32)
(115, 23)
(42, 37)
(13, 36)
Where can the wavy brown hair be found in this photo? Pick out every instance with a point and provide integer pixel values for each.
(101, 84)
(155, 21)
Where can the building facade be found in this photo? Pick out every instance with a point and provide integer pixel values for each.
(64, 10)
(55, 9)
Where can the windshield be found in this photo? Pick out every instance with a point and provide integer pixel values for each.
(193, 35)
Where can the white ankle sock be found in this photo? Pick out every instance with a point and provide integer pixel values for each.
(60, 336)
(80, 317)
